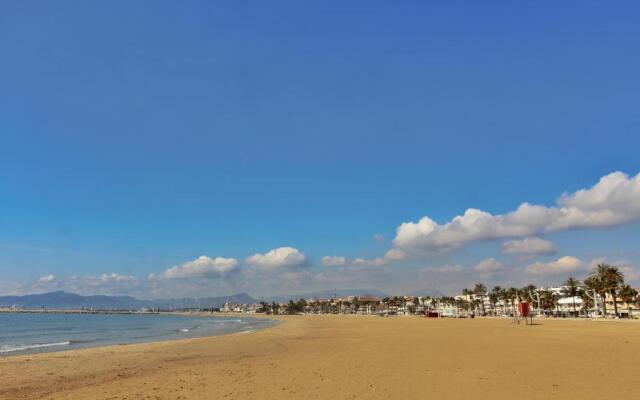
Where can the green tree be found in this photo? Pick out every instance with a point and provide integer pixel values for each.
(587, 301)
(530, 295)
(611, 278)
(547, 300)
(628, 295)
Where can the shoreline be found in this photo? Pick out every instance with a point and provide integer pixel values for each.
(278, 319)
(60, 346)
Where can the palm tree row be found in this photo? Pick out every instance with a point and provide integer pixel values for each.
(605, 280)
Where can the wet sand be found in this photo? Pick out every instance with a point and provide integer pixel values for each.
(350, 357)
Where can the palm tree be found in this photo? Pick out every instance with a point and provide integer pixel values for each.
(594, 283)
(572, 289)
(611, 278)
(587, 301)
(628, 295)
(480, 290)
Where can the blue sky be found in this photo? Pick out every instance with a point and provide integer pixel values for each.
(138, 137)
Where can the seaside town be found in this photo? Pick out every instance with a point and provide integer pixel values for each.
(602, 294)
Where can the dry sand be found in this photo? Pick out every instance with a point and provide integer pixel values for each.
(350, 357)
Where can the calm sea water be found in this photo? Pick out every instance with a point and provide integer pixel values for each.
(34, 333)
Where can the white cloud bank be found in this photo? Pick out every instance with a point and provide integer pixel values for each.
(614, 200)
(333, 261)
(202, 267)
(530, 245)
(563, 265)
(282, 257)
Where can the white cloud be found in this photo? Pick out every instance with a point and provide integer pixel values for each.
(47, 278)
(395, 254)
(202, 267)
(489, 265)
(282, 257)
(530, 245)
(333, 261)
(113, 277)
(631, 273)
(614, 200)
(563, 265)
(376, 262)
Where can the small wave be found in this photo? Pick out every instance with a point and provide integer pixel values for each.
(189, 329)
(22, 347)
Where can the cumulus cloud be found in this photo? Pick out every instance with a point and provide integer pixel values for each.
(333, 261)
(614, 200)
(530, 245)
(47, 278)
(563, 265)
(489, 265)
(202, 267)
(282, 257)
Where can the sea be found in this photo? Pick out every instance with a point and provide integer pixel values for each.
(26, 333)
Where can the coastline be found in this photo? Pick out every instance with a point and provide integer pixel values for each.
(327, 357)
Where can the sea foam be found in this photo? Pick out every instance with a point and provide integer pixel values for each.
(23, 347)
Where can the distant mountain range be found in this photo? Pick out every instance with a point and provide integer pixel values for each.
(65, 300)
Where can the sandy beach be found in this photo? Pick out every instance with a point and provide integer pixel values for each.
(349, 357)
